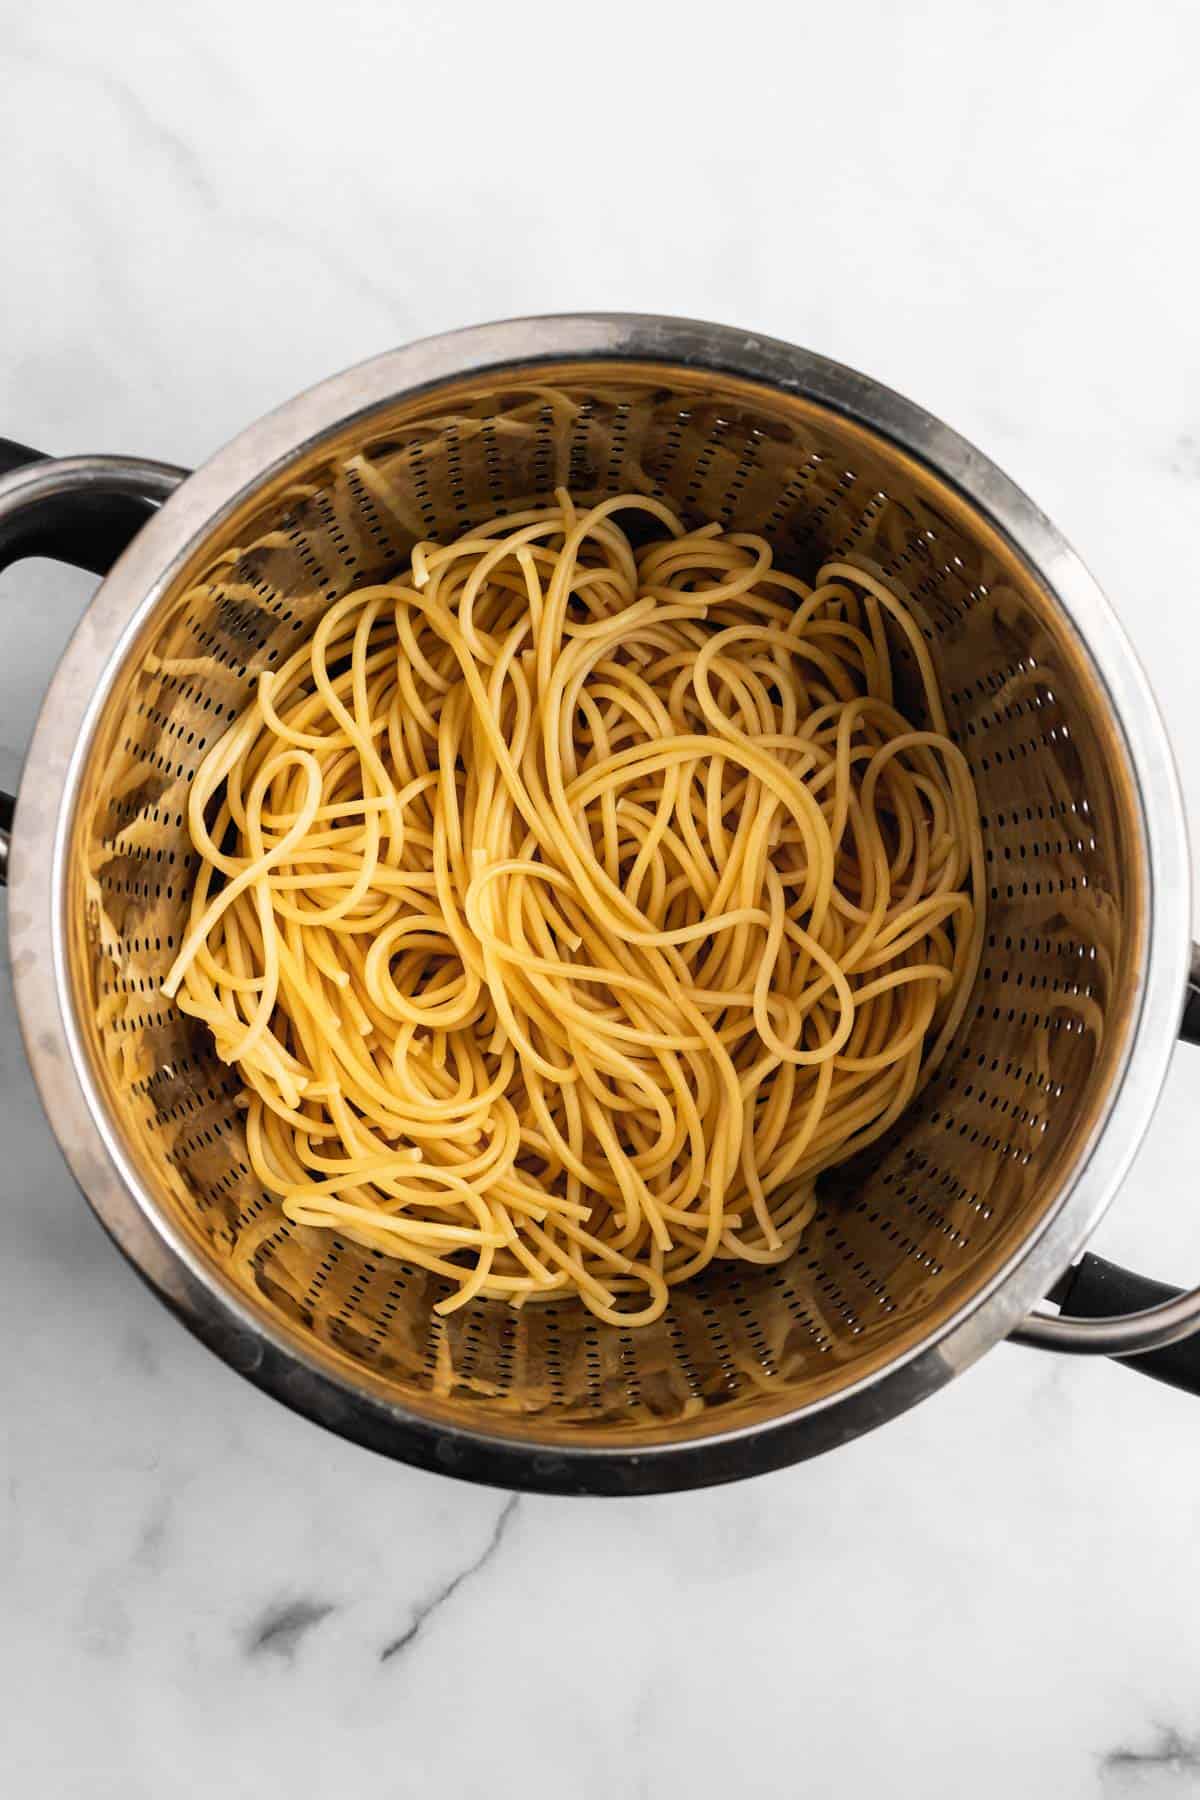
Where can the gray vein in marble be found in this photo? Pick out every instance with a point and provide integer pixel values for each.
(143, 122)
(437, 1600)
(1171, 1753)
(191, 171)
(141, 1352)
(152, 1535)
(283, 1626)
(188, 166)
(342, 270)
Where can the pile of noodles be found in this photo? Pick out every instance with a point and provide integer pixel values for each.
(567, 908)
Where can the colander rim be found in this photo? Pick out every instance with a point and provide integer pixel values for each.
(266, 1352)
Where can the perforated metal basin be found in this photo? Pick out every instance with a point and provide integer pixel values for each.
(923, 1252)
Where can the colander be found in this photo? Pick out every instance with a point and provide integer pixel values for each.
(924, 1252)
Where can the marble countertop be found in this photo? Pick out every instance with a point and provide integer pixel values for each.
(207, 208)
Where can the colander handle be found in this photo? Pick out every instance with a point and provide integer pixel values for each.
(1110, 1311)
(81, 510)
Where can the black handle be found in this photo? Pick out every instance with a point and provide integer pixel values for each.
(80, 509)
(1096, 1289)
(1113, 1298)
(88, 530)
(1189, 1029)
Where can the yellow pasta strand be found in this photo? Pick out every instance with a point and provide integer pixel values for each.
(568, 908)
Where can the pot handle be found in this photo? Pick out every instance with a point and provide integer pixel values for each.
(77, 509)
(1109, 1311)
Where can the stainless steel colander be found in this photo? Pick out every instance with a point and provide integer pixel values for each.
(923, 1253)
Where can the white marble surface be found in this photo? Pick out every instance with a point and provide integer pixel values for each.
(208, 207)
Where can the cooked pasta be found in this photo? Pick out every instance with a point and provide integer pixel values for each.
(567, 907)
